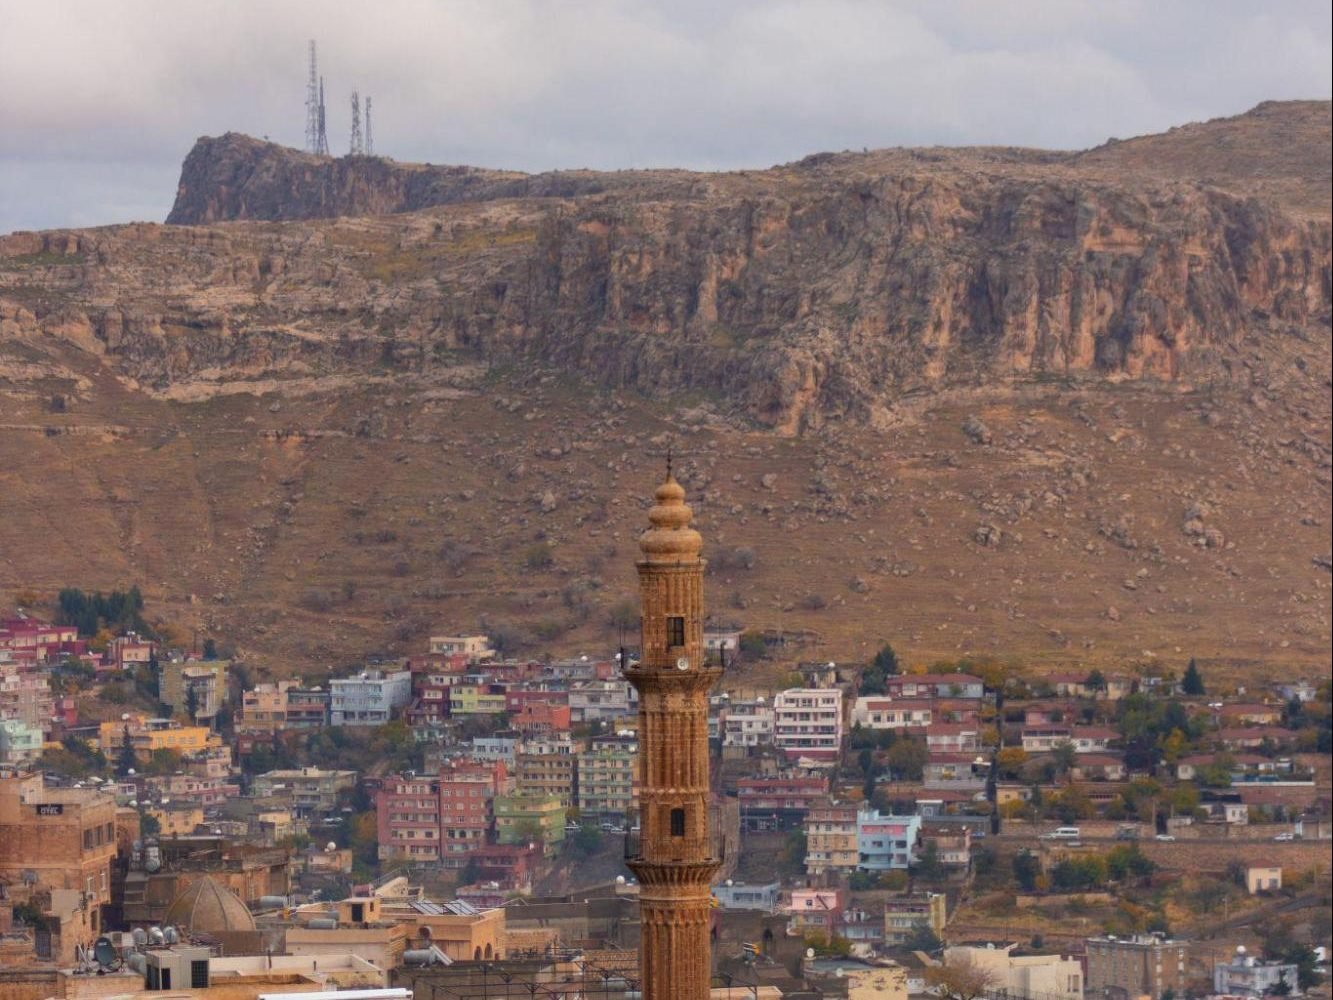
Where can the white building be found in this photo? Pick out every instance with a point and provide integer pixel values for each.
(807, 722)
(1050, 977)
(595, 701)
(370, 698)
(747, 723)
(878, 712)
(1248, 976)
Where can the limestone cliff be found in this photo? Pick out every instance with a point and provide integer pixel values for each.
(828, 289)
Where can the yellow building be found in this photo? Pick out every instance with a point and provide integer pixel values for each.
(177, 820)
(475, 699)
(148, 735)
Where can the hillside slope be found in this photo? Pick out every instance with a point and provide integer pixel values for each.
(998, 401)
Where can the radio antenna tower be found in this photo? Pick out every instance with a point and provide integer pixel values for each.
(312, 104)
(357, 147)
(370, 136)
(322, 140)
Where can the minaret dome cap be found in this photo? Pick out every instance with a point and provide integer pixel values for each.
(670, 539)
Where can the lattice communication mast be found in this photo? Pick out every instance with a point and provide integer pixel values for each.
(322, 146)
(312, 104)
(316, 136)
(370, 136)
(357, 147)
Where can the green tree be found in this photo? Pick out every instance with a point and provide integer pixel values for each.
(922, 938)
(907, 758)
(1027, 868)
(210, 649)
(1064, 755)
(1095, 681)
(1192, 682)
(587, 840)
(191, 702)
(875, 677)
(125, 757)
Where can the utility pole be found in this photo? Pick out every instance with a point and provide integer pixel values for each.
(357, 146)
(370, 136)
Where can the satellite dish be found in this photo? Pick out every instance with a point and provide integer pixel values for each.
(620, 880)
(129, 772)
(124, 716)
(170, 935)
(104, 951)
(809, 953)
(683, 663)
(330, 846)
(155, 935)
(730, 883)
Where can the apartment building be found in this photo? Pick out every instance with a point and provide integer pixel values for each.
(606, 782)
(904, 915)
(885, 842)
(1142, 965)
(371, 698)
(779, 803)
(808, 723)
(831, 840)
(312, 791)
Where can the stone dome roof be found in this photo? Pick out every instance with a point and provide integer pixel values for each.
(206, 907)
(670, 539)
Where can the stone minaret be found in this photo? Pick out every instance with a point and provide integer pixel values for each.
(675, 861)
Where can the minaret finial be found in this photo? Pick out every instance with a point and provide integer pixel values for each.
(668, 461)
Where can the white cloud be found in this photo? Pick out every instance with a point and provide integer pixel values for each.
(103, 99)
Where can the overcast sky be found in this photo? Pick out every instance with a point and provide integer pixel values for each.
(100, 100)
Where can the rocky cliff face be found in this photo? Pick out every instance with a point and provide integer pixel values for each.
(830, 289)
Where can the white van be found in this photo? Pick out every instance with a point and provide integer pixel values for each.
(1062, 833)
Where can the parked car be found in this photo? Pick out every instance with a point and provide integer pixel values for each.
(1166, 838)
(1285, 836)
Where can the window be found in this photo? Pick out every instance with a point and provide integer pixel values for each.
(675, 629)
(677, 822)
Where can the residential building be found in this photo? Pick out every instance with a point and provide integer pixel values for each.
(473, 648)
(150, 735)
(29, 642)
(1142, 965)
(934, 686)
(1263, 878)
(779, 803)
(602, 700)
(816, 911)
(732, 895)
(885, 842)
(878, 712)
(467, 793)
(522, 819)
(19, 741)
(1084, 739)
(130, 650)
(808, 723)
(903, 915)
(308, 708)
(955, 771)
(831, 838)
(501, 746)
(480, 698)
(539, 718)
(746, 722)
(1023, 977)
(548, 767)
(951, 844)
(25, 694)
(1247, 976)
(953, 737)
(312, 791)
(606, 782)
(65, 836)
(370, 698)
(201, 682)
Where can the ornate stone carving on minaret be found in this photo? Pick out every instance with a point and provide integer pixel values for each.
(674, 860)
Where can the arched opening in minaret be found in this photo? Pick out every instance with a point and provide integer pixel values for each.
(677, 822)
